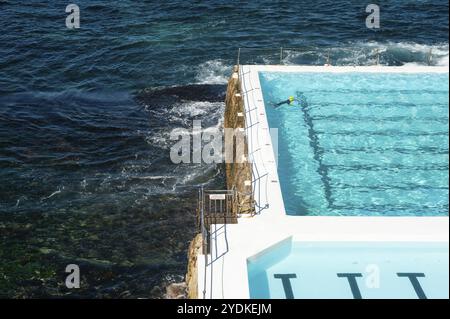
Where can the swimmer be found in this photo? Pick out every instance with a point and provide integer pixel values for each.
(289, 101)
(299, 100)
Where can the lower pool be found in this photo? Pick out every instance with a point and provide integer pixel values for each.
(347, 270)
(361, 144)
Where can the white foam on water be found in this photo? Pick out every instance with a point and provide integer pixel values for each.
(439, 52)
(192, 109)
(180, 116)
(154, 177)
(213, 72)
(443, 61)
(365, 53)
(53, 194)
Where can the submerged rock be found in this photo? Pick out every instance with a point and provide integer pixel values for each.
(192, 92)
(176, 291)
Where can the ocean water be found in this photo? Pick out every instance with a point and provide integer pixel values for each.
(361, 144)
(85, 115)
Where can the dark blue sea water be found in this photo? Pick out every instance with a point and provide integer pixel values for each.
(85, 115)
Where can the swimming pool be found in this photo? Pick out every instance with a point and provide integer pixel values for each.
(347, 270)
(364, 144)
(373, 253)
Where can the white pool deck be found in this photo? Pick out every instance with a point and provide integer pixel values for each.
(226, 274)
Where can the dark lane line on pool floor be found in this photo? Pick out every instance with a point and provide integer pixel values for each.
(318, 154)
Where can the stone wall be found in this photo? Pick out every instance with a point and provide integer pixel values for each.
(195, 249)
(238, 175)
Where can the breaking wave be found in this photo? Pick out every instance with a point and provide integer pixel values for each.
(367, 53)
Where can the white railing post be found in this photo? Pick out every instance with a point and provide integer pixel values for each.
(238, 57)
(281, 55)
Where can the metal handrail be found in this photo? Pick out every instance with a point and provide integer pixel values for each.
(430, 56)
(204, 233)
(255, 172)
(238, 62)
(281, 55)
(209, 240)
(260, 176)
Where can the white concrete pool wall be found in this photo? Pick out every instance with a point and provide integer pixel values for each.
(226, 274)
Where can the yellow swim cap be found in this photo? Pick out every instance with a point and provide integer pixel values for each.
(291, 99)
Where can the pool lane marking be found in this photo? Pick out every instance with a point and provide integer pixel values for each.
(318, 154)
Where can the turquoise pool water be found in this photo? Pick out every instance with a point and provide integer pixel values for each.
(361, 143)
(345, 270)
